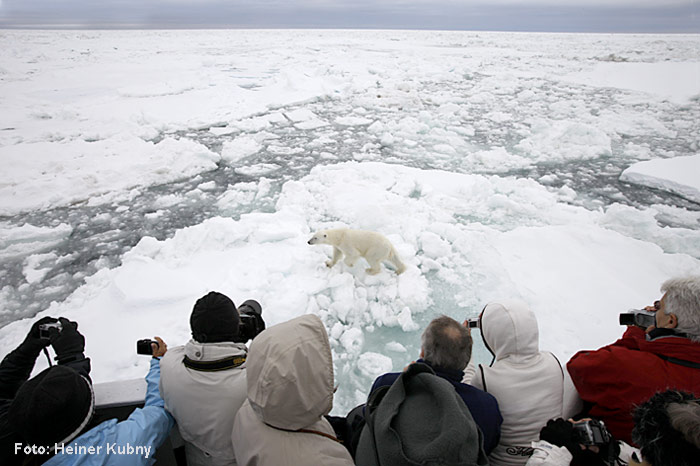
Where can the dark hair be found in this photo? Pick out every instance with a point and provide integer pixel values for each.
(446, 343)
(666, 428)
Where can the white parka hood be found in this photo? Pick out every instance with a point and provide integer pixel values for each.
(290, 373)
(509, 328)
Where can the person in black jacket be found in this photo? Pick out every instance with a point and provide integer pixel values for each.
(52, 407)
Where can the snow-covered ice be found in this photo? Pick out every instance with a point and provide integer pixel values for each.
(145, 168)
(680, 175)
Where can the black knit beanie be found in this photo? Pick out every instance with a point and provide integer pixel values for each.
(52, 407)
(214, 318)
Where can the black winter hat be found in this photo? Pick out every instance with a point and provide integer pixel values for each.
(52, 407)
(214, 318)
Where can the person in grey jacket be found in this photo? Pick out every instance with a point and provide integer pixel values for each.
(290, 390)
(203, 382)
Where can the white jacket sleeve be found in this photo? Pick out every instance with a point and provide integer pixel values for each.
(546, 454)
(469, 372)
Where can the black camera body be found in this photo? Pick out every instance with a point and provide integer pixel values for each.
(473, 322)
(638, 317)
(45, 329)
(251, 321)
(591, 432)
(144, 346)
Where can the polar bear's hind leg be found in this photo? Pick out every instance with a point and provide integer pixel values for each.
(394, 259)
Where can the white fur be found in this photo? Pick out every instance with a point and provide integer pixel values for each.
(354, 244)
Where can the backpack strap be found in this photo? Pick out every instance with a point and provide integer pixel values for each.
(680, 362)
(563, 381)
(483, 378)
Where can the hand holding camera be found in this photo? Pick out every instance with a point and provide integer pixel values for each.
(67, 342)
(642, 318)
(472, 322)
(38, 334)
(585, 439)
(156, 348)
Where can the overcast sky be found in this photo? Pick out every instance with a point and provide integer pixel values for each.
(499, 15)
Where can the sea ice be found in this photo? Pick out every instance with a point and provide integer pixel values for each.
(557, 116)
(552, 254)
(678, 175)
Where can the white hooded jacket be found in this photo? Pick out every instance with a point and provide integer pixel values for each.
(290, 389)
(204, 403)
(530, 385)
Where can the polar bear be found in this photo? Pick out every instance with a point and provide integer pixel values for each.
(354, 244)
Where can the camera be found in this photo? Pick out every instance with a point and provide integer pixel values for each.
(638, 317)
(45, 329)
(473, 322)
(251, 323)
(591, 432)
(144, 346)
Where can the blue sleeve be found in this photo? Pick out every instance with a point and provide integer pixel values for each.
(150, 425)
(153, 397)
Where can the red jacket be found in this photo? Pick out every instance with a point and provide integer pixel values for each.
(620, 376)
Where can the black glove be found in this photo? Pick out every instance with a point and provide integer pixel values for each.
(33, 339)
(609, 452)
(68, 343)
(560, 432)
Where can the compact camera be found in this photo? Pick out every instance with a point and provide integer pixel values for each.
(251, 323)
(45, 329)
(638, 317)
(144, 346)
(473, 322)
(591, 432)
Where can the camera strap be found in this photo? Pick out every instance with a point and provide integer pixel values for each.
(214, 366)
(48, 358)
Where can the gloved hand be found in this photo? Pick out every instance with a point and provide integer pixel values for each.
(560, 432)
(68, 343)
(33, 339)
(610, 451)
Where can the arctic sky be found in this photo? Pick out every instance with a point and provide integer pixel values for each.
(667, 16)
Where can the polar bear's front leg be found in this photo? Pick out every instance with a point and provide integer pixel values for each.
(337, 254)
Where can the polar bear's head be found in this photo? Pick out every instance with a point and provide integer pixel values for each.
(320, 237)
